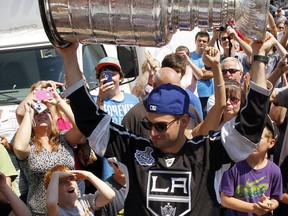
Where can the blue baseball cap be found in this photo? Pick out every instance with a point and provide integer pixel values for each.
(169, 99)
(108, 61)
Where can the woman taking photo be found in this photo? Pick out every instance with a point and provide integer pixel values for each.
(39, 145)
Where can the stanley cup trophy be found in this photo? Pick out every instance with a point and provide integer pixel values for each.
(146, 22)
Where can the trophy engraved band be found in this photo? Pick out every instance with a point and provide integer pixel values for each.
(146, 22)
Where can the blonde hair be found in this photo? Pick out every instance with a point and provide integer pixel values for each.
(54, 139)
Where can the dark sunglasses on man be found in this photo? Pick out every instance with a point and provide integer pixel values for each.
(231, 71)
(159, 126)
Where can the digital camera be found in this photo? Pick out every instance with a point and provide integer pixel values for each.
(39, 107)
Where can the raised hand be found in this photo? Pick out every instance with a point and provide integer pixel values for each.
(263, 47)
(283, 64)
(231, 31)
(29, 108)
(104, 88)
(211, 56)
(79, 174)
(216, 31)
(71, 49)
(183, 53)
(4, 142)
(149, 58)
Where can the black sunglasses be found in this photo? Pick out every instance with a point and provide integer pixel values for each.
(225, 38)
(231, 71)
(159, 126)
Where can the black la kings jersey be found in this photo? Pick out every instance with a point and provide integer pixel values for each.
(171, 184)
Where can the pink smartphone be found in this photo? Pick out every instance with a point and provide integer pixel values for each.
(43, 94)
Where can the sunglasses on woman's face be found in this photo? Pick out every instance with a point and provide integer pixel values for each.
(233, 100)
(231, 71)
(159, 126)
(225, 38)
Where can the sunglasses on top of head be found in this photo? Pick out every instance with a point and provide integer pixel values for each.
(231, 71)
(159, 126)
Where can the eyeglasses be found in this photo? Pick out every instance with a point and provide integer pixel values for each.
(231, 71)
(281, 27)
(159, 126)
(233, 100)
(225, 38)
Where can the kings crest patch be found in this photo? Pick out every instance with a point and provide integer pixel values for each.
(145, 157)
(169, 192)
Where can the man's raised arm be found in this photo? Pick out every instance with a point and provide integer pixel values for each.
(73, 73)
(86, 113)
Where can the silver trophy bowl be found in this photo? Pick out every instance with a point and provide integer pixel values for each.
(146, 22)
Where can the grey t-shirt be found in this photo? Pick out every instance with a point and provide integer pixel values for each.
(281, 95)
(85, 205)
(116, 207)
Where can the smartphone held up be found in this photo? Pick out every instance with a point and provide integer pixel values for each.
(43, 94)
(107, 75)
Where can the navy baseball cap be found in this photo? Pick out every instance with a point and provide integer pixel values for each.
(169, 99)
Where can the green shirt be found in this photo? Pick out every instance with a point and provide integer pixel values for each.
(6, 165)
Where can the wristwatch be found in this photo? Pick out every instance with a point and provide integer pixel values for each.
(207, 68)
(100, 99)
(259, 58)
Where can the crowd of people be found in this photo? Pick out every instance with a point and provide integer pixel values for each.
(203, 132)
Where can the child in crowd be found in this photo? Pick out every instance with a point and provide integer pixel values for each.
(253, 186)
(17, 206)
(62, 192)
(38, 144)
(118, 183)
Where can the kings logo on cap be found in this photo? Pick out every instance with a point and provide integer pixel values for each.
(168, 99)
(153, 108)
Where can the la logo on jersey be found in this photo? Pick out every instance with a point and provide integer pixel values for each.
(168, 192)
